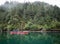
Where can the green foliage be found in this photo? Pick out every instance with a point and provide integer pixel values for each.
(31, 26)
(31, 16)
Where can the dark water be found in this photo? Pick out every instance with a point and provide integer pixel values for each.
(31, 38)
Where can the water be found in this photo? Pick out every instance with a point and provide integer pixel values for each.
(31, 38)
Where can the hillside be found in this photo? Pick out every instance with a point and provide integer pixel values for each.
(29, 16)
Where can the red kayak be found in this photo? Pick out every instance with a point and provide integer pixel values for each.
(19, 32)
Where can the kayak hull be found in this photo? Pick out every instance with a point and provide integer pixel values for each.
(19, 32)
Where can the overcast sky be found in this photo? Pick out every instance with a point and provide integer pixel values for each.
(52, 2)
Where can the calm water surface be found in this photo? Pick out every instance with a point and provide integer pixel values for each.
(31, 38)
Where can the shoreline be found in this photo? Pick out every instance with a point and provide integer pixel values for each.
(34, 31)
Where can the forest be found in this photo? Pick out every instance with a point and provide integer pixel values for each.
(29, 16)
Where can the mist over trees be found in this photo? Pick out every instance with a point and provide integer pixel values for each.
(29, 16)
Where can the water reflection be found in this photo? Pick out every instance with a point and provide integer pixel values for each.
(31, 38)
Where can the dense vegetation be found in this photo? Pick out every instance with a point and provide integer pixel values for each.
(29, 16)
